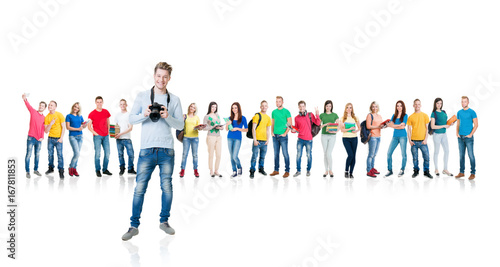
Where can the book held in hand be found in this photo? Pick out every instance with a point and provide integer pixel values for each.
(452, 120)
(113, 130)
(332, 127)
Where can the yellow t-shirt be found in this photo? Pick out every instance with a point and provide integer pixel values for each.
(261, 131)
(56, 129)
(189, 124)
(418, 122)
(348, 123)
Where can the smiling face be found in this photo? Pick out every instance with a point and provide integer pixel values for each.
(263, 106)
(417, 105)
(41, 107)
(76, 108)
(213, 108)
(328, 107)
(465, 102)
(192, 109)
(399, 106)
(439, 105)
(234, 109)
(279, 102)
(374, 108)
(98, 104)
(302, 108)
(161, 79)
(123, 105)
(52, 107)
(348, 109)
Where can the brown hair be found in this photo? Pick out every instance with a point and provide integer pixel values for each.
(352, 113)
(123, 100)
(54, 102)
(43, 102)
(99, 97)
(302, 102)
(280, 97)
(403, 111)
(239, 112)
(164, 66)
(326, 103)
(262, 102)
(465, 97)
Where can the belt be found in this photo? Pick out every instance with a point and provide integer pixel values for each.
(417, 140)
(55, 137)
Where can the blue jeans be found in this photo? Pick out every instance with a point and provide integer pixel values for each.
(51, 143)
(149, 158)
(373, 145)
(280, 141)
(350, 145)
(98, 141)
(193, 143)
(463, 144)
(234, 149)
(76, 142)
(425, 155)
(262, 147)
(121, 144)
(402, 141)
(30, 143)
(300, 145)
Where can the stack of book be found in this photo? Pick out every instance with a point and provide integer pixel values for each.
(332, 127)
(113, 130)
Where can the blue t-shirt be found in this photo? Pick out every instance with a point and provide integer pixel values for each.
(75, 122)
(466, 123)
(400, 132)
(237, 134)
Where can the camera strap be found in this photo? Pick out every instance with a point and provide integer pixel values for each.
(153, 96)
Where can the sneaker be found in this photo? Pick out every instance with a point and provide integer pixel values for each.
(234, 174)
(181, 174)
(308, 173)
(389, 173)
(371, 173)
(50, 170)
(428, 175)
(401, 173)
(98, 173)
(61, 173)
(460, 175)
(28, 175)
(107, 172)
(166, 228)
(122, 171)
(286, 175)
(375, 171)
(415, 174)
(240, 172)
(75, 173)
(70, 171)
(196, 174)
(346, 174)
(274, 173)
(37, 173)
(252, 174)
(132, 171)
(261, 171)
(296, 174)
(132, 231)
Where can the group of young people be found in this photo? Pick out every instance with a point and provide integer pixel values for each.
(56, 124)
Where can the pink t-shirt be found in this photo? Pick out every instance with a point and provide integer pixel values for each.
(100, 121)
(37, 121)
(303, 124)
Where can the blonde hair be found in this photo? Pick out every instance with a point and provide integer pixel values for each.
(195, 108)
(465, 97)
(344, 118)
(79, 109)
(164, 66)
(376, 104)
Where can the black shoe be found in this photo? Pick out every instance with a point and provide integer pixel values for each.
(261, 171)
(61, 173)
(122, 171)
(132, 171)
(107, 172)
(428, 175)
(415, 174)
(346, 175)
(252, 174)
(98, 173)
(351, 176)
(50, 170)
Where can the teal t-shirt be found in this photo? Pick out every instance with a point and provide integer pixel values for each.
(280, 118)
(328, 118)
(441, 119)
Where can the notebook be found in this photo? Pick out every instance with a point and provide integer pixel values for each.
(452, 120)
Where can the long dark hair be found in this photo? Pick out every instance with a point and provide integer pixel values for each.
(239, 112)
(326, 103)
(435, 102)
(403, 111)
(210, 107)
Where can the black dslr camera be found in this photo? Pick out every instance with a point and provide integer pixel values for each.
(155, 111)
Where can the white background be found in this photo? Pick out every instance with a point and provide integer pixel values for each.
(251, 51)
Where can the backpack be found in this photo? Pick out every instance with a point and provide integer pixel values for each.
(429, 128)
(364, 132)
(250, 126)
(180, 133)
(314, 128)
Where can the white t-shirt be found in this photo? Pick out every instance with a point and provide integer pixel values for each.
(122, 120)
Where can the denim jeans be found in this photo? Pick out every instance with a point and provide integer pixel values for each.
(280, 141)
(441, 139)
(262, 147)
(425, 154)
(121, 144)
(51, 143)
(98, 141)
(373, 145)
(300, 146)
(193, 143)
(234, 149)
(76, 142)
(30, 143)
(463, 144)
(402, 141)
(328, 142)
(149, 158)
(350, 145)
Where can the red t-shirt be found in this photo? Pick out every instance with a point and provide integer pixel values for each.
(100, 121)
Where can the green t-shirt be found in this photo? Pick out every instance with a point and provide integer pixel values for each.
(280, 118)
(328, 118)
(441, 119)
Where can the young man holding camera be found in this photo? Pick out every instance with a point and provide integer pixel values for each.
(158, 111)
